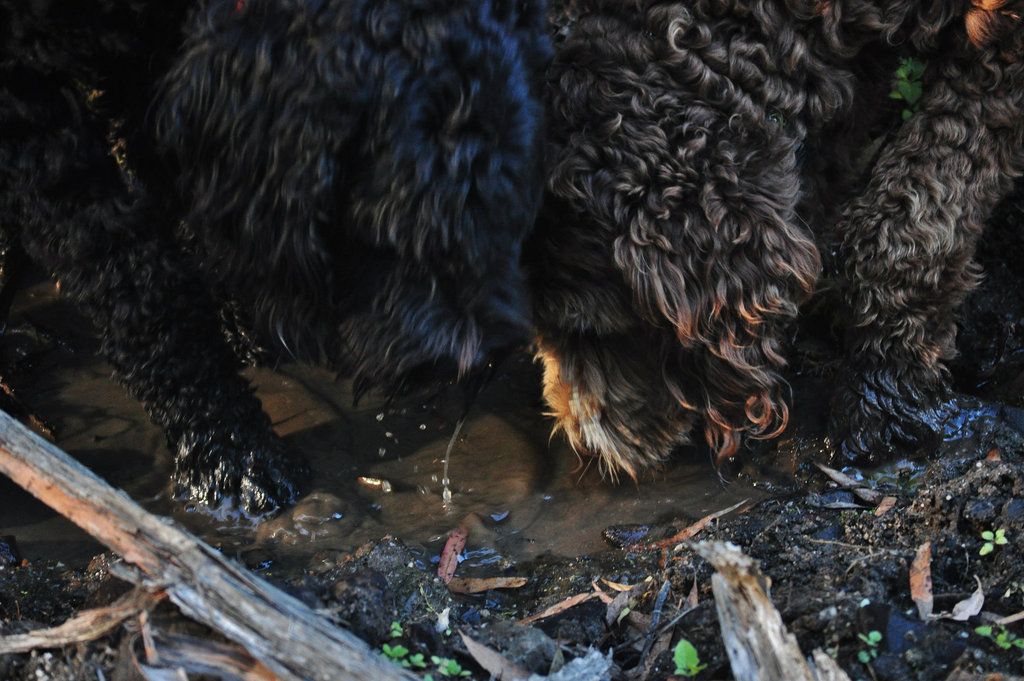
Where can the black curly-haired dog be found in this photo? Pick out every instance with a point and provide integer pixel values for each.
(354, 178)
(700, 153)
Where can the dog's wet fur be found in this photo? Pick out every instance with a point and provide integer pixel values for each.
(352, 179)
(704, 166)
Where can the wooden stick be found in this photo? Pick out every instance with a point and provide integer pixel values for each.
(224, 661)
(759, 646)
(290, 639)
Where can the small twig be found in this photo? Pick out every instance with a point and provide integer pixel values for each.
(661, 630)
(659, 603)
(688, 532)
(859, 547)
(1010, 619)
(88, 625)
(856, 487)
(845, 545)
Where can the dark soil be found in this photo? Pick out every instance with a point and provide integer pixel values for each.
(839, 571)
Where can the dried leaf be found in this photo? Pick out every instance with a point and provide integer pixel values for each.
(921, 581)
(660, 645)
(871, 496)
(885, 506)
(496, 664)
(691, 599)
(620, 605)
(475, 585)
(443, 621)
(601, 595)
(557, 608)
(971, 606)
(639, 621)
(450, 555)
(616, 586)
(994, 455)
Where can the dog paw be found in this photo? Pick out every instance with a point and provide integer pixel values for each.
(259, 477)
(877, 418)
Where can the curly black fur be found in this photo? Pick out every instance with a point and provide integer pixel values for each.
(700, 153)
(356, 177)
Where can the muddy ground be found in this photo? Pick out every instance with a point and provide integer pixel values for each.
(839, 570)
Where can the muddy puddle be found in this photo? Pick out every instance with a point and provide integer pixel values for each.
(377, 468)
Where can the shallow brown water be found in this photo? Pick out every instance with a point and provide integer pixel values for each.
(520, 492)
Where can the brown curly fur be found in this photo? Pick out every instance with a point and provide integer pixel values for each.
(908, 240)
(699, 155)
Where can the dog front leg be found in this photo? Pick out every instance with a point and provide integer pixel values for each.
(158, 322)
(907, 250)
(160, 331)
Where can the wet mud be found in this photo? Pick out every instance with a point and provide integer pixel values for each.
(363, 545)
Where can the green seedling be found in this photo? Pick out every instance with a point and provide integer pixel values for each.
(399, 654)
(686, 658)
(396, 629)
(1004, 639)
(395, 653)
(871, 639)
(992, 540)
(448, 667)
(908, 85)
(1014, 588)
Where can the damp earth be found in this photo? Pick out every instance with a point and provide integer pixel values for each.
(363, 545)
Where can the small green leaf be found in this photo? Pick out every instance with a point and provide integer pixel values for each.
(986, 549)
(872, 638)
(686, 658)
(983, 631)
(911, 91)
(396, 652)
(987, 535)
